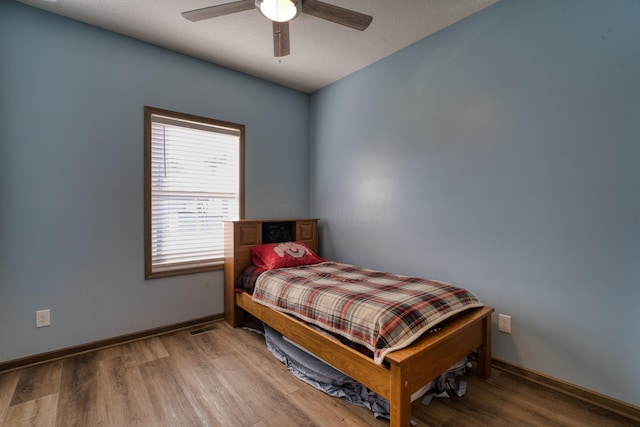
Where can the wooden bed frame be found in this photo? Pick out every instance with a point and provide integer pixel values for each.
(403, 372)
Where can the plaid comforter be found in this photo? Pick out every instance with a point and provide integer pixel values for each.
(381, 311)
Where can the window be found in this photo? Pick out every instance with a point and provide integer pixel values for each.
(194, 171)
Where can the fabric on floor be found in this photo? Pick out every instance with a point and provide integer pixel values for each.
(326, 378)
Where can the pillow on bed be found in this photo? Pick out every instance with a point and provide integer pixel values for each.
(286, 254)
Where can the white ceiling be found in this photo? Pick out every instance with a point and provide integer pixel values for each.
(321, 52)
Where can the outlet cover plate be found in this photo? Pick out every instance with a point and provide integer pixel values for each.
(43, 318)
(504, 323)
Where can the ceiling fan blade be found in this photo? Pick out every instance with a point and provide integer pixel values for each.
(219, 10)
(281, 39)
(336, 14)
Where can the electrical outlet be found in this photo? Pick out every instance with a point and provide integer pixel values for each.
(504, 323)
(43, 318)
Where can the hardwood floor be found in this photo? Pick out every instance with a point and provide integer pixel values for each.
(226, 377)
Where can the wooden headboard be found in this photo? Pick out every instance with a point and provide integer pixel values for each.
(240, 236)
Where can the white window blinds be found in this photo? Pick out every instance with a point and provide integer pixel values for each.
(194, 187)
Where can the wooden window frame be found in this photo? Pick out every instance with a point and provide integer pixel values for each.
(186, 268)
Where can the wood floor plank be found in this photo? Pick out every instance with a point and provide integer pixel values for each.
(211, 341)
(148, 350)
(242, 368)
(40, 381)
(253, 385)
(79, 404)
(123, 393)
(565, 411)
(8, 383)
(38, 412)
(488, 404)
(255, 353)
(172, 400)
(329, 411)
(525, 399)
(114, 351)
(435, 414)
(215, 399)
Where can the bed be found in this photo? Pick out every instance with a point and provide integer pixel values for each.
(402, 372)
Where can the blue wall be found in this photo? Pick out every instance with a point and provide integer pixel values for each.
(71, 176)
(502, 154)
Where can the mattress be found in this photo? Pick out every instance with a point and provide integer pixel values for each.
(380, 311)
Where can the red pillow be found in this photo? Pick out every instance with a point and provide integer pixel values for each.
(286, 254)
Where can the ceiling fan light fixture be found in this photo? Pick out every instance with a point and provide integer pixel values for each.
(279, 10)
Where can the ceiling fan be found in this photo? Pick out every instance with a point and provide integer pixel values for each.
(283, 11)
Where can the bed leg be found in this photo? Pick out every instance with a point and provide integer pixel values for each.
(400, 401)
(484, 351)
(234, 316)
